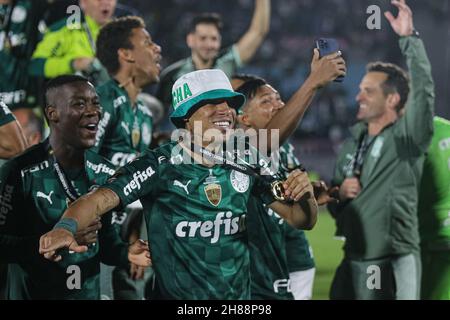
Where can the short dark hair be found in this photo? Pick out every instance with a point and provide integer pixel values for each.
(397, 80)
(206, 18)
(250, 86)
(244, 77)
(57, 83)
(60, 81)
(113, 36)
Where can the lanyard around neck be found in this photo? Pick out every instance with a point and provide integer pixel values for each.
(69, 189)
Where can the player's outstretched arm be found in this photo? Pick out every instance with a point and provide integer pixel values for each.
(78, 216)
(323, 71)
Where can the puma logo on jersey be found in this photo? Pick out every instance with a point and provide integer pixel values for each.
(212, 229)
(40, 194)
(177, 183)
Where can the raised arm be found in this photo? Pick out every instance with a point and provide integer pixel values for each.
(258, 30)
(323, 71)
(419, 110)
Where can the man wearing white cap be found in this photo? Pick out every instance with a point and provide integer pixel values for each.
(196, 211)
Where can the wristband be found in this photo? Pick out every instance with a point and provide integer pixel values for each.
(68, 224)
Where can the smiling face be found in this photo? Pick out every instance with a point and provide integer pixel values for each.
(218, 116)
(99, 10)
(262, 107)
(371, 98)
(74, 114)
(146, 55)
(205, 41)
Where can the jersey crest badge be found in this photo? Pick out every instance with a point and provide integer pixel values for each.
(213, 193)
(239, 181)
(213, 190)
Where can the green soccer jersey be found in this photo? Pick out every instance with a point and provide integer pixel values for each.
(434, 200)
(6, 115)
(195, 218)
(125, 131)
(18, 37)
(32, 201)
(276, 248)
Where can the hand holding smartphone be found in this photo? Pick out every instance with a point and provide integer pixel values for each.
(328, 46)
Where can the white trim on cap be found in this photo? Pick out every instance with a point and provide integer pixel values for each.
(202, 81)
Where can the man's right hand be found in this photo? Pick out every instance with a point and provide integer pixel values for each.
(349, 189)
(327, 68)
(57, 239)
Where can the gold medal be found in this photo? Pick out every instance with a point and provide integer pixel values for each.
(278, 190)
(135, 136)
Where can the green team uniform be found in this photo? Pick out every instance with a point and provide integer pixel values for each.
(18, 37)
(32, 202)
(299, 253)
(124, 131)
(196, 223)
(6, 115)
(62, 43)
(276, 248)
(381, 222)
(434, 215)
(228, 61)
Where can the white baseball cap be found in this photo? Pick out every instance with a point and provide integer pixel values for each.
(195, 89)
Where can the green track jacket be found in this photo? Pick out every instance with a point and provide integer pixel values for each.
(382, 219)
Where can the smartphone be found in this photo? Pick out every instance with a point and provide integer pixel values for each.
(328, 46)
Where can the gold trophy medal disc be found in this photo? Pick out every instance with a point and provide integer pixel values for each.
(135, 137)
(278, 190)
